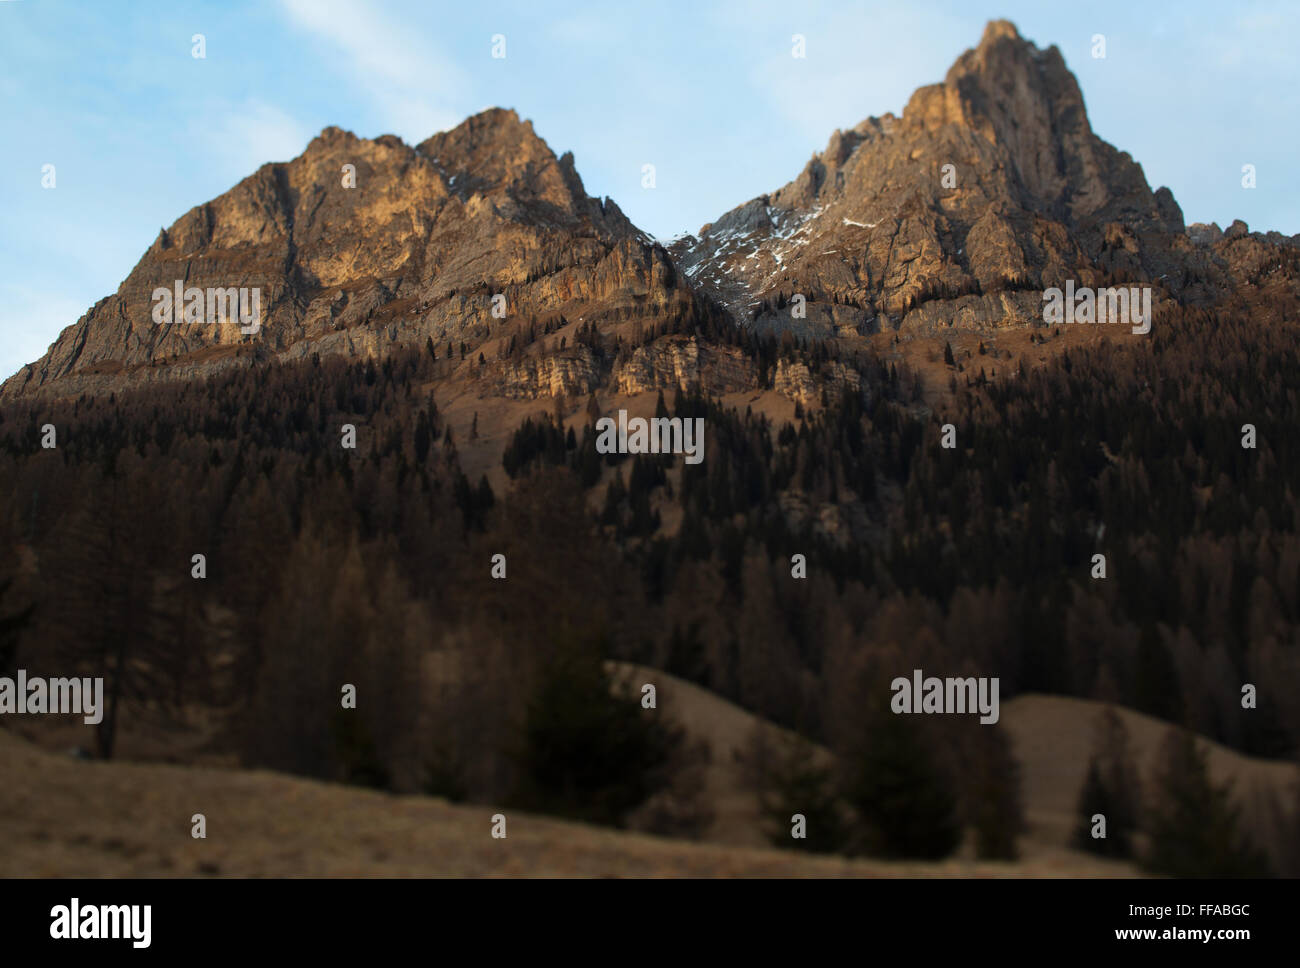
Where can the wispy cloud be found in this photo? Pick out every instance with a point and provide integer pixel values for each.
(247, 136)
(413, 86)
(853, 65)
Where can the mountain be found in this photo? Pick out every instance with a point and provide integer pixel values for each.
(918, 474)
(990, 187)
(415, 251)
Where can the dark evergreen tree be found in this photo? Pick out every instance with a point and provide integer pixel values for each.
(900, 793)
(1112, 790)
(1193, 824)
(587, 751)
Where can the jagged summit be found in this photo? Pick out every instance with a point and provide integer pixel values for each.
(360, 244)
(989, 187)
(991, 180)
(495, 154)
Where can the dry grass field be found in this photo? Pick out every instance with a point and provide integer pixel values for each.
(61, 816)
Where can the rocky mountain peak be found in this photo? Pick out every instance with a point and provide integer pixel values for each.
(361, 243)
(991, 178)
(988, 188)
(497, 156)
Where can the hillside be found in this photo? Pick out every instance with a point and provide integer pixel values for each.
(381, 540)
(266, 825)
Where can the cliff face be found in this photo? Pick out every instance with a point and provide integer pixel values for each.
(989, 188)
(667, 363)
(415, 250)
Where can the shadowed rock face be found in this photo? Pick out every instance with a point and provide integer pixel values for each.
(990, 187)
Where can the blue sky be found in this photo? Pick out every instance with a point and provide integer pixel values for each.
(139, 131)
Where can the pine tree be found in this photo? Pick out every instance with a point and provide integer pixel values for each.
(1156, 680)
(899, 791)
(992, 793)
(11, 626)
(791, 781)
(1111, 789)
(1095, 801)
(586, 751)
(1193, 824)
(422, 436)
(292, 723)
(110, 620)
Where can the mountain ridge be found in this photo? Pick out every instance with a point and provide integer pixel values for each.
(990, 187)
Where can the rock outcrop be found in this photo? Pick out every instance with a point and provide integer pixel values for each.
(989, 188)
(359, 245)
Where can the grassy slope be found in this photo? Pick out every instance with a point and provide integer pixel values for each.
(60, 816)
(63, 817)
